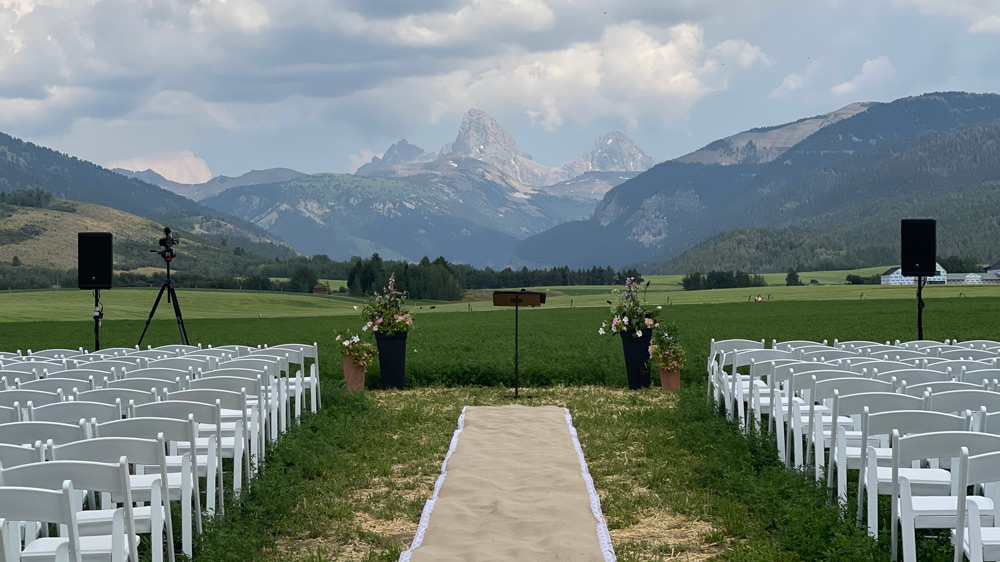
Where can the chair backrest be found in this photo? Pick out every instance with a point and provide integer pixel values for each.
(83, 374)
(111, 478)
(746, 357)
(12, 396)
(179, 349)
(851, 345)
(271, 366)
(913, 376)
(118, 350)
(116, 366)
(980, 375)
(31, 432)
(977, 354)
(828, 354)
(35, 370)
(179, 376)
(144, 452)
(938, 387)
(120, 396)
(186, 363)
(228, 399)
(897, 354)
(734, 344)
(252, 387)
(56, 353)
(912, 421)
(289, 355)
(142, 383)
(978, 344)
(789, 345)
(940, 445)
(867, 365)
(845, 386)
(46, 506)
(220, 354)
(66, 386)
(14, 455)
(877, 402)
(957, 365)
(172, 429)
(9, 414)
(919, 344)
(74, 411)
(240, 350)
(154, 354)
(961, 400)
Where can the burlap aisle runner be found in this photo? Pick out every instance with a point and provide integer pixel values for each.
(514, 486)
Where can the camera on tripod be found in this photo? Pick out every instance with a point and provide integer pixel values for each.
(167, 245)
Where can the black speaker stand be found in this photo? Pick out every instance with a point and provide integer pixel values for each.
(98, 314)
(920, 307)
(167, 286)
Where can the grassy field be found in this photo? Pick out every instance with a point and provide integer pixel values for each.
(676, 480)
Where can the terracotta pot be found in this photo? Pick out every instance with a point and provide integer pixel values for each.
(354, 374)
(670, 380)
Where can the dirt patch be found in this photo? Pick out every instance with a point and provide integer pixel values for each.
(671, 536)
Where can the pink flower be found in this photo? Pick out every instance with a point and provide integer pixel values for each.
(649, 322)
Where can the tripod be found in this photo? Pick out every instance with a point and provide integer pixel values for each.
(168, 286)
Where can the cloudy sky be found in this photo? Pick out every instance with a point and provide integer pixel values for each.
(196, 88)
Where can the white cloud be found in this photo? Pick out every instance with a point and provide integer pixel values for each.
(363, 157)
(983, 16)
(793, 82)
(183, 166)
(468, 22)
(630, 72)
(873, 72)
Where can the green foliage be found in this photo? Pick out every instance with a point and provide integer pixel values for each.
(792, 279)
(721, 280)
(853, 279)
(303, 280)
(955, 264)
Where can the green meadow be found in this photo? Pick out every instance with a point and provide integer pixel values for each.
(676, 480)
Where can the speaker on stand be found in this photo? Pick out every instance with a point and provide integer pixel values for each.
(95, 258)
(918, 257)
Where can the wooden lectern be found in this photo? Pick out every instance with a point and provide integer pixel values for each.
(517, 299)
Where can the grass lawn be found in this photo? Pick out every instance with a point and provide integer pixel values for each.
(676, 480)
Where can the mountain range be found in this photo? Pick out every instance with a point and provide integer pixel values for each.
(819, 192)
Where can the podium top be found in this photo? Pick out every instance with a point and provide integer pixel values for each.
(518, 298)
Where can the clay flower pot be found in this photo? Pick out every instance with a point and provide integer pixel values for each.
(354, 374)
(670, 380)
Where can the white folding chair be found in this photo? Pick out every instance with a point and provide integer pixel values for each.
(35, 505)
(147, 486)
(235, 425)
(14, 455)
(115, 543)
(208, 440)
(936, 509)
(309, 351)
(977, 534)
(875, 480)
(31, 432)
(182, 471)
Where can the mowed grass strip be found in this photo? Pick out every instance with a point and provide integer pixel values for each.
(349, 482)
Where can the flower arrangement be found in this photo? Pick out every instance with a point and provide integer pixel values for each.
(353, 346)
(665, 350)
(631, 315)
(384, 313)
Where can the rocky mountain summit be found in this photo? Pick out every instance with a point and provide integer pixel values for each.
(483, 138)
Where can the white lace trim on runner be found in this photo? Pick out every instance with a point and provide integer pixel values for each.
(595, 501)
(425, 517)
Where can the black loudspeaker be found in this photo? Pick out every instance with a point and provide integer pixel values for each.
(918, 244)
(95, 259)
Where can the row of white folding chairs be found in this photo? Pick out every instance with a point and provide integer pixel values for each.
(28, 431)
(886, 399)
(297, 353)
(242, 425)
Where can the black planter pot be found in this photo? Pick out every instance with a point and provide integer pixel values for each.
(637, 359)
(391, 358)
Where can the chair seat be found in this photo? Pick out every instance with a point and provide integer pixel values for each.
(98, 521)
(991, 542)
(938, 512)
(142, 485)
(923, 481)
(92, 548)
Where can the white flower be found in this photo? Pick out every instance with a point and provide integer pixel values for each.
(355, 307)
(638, 333)
(625, 320)
(600, 330)
(658, 307)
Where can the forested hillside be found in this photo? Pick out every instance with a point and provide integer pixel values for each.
(846, 214)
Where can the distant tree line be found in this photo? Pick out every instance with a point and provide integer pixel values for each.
(698, 281)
